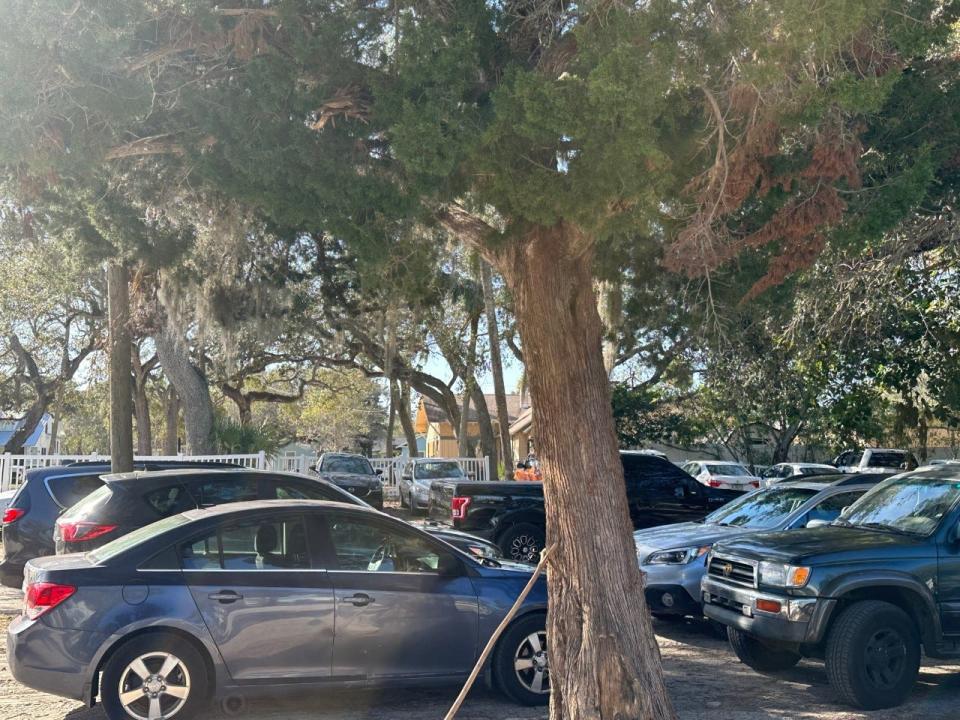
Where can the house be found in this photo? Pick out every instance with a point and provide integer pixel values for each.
(521, 434)
(38, 442)
(432, 423)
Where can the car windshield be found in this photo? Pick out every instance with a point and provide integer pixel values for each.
(906, 503)
(346, 464)
(137, 537)
(729, 470)
(437, 470)
(762, 510)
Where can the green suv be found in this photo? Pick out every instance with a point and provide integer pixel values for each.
(867, 593)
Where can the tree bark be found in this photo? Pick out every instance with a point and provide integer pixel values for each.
(496, 369)
(242, 401)
(610, 302)
(121, 395)
(171, 444)
(469, 381)
(488, 440)
(191, 387)
(141, 402)
(407, 422)
(391, 419)
(604, 659)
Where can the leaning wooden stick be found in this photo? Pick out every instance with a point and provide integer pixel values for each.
(496, 635)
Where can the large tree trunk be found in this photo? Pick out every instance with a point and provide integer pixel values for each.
(610, 303)
(241, 400)
(141, 402)
(487, 439)
(191, 387)
(496, 369)
(406, 422)
(171, 439)
(469, 380)
(391, 418)
(604, 658)
(121, 395)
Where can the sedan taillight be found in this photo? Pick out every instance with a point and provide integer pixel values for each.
(77, 531)
(458, 507)
(43, 597)
(713, 483)
(11, 515)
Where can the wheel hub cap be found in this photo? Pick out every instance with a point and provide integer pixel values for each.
(154, 686)
(531, 665)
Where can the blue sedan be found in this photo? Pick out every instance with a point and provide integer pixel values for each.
(254, 597)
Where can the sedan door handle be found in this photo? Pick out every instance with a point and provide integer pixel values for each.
(358, 600)
(226, 596)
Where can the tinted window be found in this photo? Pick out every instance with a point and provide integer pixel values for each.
(250, 545)
(728, 470)
(367, 545)
(226, 490)
(887, 459)
(761, 510)
(346, 464)
(170, 500)
(284, 490)
(70, 490)
(831, 507)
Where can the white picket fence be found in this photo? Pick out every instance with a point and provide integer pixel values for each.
(13, 467)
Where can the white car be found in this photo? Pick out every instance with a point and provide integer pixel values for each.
(722, 474)
(875, 460)
(419, 474)
(781, 471)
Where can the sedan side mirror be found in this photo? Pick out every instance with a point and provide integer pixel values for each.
(817, 522)
(449, 566)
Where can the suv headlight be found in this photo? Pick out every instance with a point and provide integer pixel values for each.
(780, 575)
(678, 556)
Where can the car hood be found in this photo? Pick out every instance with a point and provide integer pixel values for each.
(824, 545)
(680, 535)
(342, 479)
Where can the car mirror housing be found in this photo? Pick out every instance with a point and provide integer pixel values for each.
(817, 522)
(449, 567)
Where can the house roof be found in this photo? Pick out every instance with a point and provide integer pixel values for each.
(436, 415)
(523, 421)
(33, 438)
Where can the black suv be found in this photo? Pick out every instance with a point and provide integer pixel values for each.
(44, 494)
(867, 594)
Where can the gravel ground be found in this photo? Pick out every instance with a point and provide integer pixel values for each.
(705, 680)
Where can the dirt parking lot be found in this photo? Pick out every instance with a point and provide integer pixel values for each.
(706, 682)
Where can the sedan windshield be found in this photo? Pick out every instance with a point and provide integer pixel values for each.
(346, 464)
(907, 503)
(437, 470)
(729, 470)
(763, 510)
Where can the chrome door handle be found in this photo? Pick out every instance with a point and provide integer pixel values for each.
(358, 600)
(226, 596)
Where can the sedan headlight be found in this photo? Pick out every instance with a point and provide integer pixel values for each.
(677, 556)
(780, 575)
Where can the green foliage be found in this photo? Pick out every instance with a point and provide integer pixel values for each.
(232, 437)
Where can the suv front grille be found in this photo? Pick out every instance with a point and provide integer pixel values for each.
(733, 571)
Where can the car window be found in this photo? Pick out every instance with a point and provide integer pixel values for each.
(226, 490)
(346, 464)
(250, 545)
(436, 470)
(905, 503)
(170, 500)
(728, 470)
(366, 545)
(762, 510)
(830, 507)
(70, 489)
(890, 459)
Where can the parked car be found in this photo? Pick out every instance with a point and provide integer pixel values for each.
(875, 460)
(673, 556)
(128, 501)
(43, 495)
(353, 473)
(511, 514)
(419, 474)
(867, 593)
(782, 471)
(722, 474)
(254, 597)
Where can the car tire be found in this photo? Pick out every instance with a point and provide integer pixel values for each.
(155, 653)
(522, 542)
(758, 656)
(520, 664)
(873, 655)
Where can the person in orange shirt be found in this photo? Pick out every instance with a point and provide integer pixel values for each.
(521, 473)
